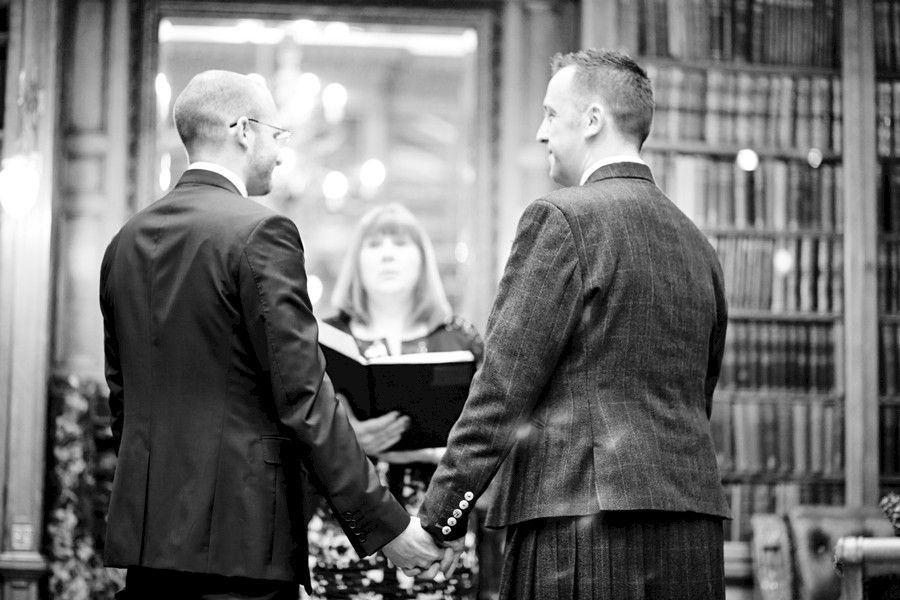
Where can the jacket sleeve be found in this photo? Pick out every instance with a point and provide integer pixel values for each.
(284, 334)
(113, 368)
(537, 307)
(717, 337)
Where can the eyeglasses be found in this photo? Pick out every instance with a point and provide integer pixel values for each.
(283, 135)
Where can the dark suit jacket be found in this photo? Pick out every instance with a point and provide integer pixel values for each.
(219, 394)
(601, 355)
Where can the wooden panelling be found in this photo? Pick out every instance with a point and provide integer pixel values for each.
(25, 279)
(93, 202)
(533, 32)
(860, 249)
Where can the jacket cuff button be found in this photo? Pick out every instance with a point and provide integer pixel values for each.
(468, 496)
(446, 530)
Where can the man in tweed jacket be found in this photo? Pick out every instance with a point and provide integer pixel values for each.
(603, 349)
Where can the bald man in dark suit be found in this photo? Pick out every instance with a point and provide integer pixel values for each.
(217, 385)
(602, 352)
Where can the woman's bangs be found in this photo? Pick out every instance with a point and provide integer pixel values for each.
(393, 225)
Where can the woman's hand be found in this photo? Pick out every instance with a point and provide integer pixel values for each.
(380, 433)
(422, 455)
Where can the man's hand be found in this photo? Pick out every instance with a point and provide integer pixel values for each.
(452, 551)
(447, 564)
(413, 550)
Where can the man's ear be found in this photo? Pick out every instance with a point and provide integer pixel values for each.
(596, 117)
(241, 131)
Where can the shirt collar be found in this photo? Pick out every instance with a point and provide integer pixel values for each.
(608, 161)
(226, 173)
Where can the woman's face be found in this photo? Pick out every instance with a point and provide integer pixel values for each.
(389, 264)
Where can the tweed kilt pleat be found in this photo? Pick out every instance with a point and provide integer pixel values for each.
(622, 555)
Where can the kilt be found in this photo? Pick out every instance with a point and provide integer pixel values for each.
(620, 555)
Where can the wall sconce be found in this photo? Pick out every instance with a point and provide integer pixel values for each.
(20, 179)
(20, 173)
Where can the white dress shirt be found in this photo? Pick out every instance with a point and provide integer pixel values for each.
(227, 174)
(608, 161)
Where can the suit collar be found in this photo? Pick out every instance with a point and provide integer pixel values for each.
(204, 177)
(632, 170)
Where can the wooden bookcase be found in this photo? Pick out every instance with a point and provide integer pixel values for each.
(4, 57)
(763, 135)
(747, 140)
(887, 148)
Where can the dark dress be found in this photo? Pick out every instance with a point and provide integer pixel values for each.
(337, 571)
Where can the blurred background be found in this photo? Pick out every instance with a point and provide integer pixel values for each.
(379, 112)
(777, 129)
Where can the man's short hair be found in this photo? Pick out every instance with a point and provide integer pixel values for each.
(619, 83)
(210, 102)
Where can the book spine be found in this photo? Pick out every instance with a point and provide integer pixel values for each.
(889, 448)
(837, 131)
(816, 438)
(741, 21)
(823, 277)
(801, 436)
(883, 112)
(888, 359)
(721, 428)
(785, 418)
(715, 90)
(772, 459)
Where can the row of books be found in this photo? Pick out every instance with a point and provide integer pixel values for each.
(785, 436)
(889, 358)
(887, 184)
(747, 499)
(778, 195)
(782, 355)
(889, 277)
(888, 442)
(887, 35)
(774, 110)
(887, 114)
(782, 275)
(781, 32)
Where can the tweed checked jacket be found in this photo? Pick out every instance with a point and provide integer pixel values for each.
(602, 352)
(219, 395)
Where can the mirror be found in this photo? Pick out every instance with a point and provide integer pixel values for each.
(379, 111)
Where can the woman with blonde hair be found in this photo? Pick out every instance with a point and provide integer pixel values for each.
(390, 298)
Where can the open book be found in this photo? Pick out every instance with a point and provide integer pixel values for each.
(429, 387)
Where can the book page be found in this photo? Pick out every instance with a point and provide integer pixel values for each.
(339, 341)
(343, 342)
(424, 358)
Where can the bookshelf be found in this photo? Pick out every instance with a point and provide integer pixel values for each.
(747, 141)
(795, 226)
(4, 57)
(887, 149)
(764, 121)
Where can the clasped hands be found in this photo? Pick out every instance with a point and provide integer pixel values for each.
(414, 551)
(416, 554)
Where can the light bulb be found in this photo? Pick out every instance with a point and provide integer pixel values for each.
(20, 181)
